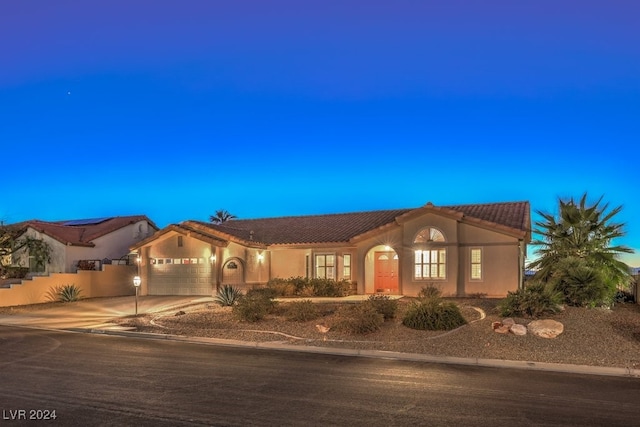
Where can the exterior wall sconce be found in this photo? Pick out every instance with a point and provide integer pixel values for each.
(212, 258)
(260, 257)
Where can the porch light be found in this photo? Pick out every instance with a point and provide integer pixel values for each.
(260, 257)
(212, 258)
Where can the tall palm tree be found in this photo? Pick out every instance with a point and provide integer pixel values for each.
(582, 232)
(221, 216)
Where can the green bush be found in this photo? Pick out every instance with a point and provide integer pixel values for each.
(254, 306)
(534, 300)
(384, 305)
(227, 295)
(282, 287)
(300, 286)
(433, 315)
(64, 293)
(581, 284)
(429, 292)
(301, 311)
(359, 319)
(329, 287)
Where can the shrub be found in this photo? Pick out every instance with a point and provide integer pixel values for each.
(301, 311)
(64, 293)
(359, 319)
(282, 287)
(433, 315)
(254, 306)
(384, 305)
(581, 284)
(532, 301)
(13, 272)
(227, 296)
(309, 287)
(84, 264)
(429, 292)
(329, 287)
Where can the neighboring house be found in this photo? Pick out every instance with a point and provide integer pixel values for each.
(464, 250)
(88, 240)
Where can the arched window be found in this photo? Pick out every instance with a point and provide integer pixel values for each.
(428, 235)
(429, 262)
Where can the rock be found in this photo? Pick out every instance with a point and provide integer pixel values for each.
(545, 328)
(496, 325)
(504, 329)
(508, 321)
(180, 313)
(519, 330)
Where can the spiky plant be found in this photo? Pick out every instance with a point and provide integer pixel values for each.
(227, 295)
(64, 293)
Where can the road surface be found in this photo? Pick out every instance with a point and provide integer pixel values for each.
(95, 380)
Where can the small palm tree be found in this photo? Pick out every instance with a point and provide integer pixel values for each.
(584, 233)
(221, 216)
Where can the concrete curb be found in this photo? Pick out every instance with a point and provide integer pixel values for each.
(381, 354)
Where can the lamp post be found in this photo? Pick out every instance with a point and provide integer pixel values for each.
(136, 282)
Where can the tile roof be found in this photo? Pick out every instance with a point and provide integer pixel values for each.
(83, 235)
(340, 228)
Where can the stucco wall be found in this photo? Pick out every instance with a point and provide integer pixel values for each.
(114, 280)
(58, 253)
(500, 252)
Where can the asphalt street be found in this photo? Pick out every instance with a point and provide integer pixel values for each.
(90, 379)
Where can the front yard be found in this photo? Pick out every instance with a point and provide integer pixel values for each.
(597, 337)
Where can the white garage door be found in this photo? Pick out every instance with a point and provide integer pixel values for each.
(180, 279)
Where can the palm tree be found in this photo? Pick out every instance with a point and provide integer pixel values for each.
(584, 234)
(221, 216)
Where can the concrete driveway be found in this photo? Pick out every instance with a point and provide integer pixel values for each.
(94, 313)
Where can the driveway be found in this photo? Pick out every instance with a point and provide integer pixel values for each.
(95, 312)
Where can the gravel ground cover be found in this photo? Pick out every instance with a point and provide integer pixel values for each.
(592, 336)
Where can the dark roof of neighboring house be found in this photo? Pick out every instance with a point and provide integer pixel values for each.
(85, 231)
(313, 229)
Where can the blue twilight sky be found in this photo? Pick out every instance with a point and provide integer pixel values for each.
(175, 109)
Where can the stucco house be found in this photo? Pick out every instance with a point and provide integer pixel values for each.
(92, 240)
(463, 249)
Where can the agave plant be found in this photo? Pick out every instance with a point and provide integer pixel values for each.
(64, 293)
(227, 295)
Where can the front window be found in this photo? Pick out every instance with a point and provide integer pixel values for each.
(430, 264)
(346, 267)
(476, 264)
(325, 266)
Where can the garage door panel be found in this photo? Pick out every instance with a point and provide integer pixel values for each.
(179, 279)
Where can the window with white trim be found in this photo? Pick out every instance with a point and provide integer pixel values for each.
(346, 266)
(430, 264)
(325, 265)
(476, 263)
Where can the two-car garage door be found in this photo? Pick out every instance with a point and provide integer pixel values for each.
(180, 279)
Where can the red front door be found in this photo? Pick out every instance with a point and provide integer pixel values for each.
(386, 272)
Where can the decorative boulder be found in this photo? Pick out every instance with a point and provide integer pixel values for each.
(545, 328)
(517, 329)
(495, 325)
(508, 321)
(503, 329)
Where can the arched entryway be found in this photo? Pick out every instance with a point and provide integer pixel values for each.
(382, 271)
(233, 272)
